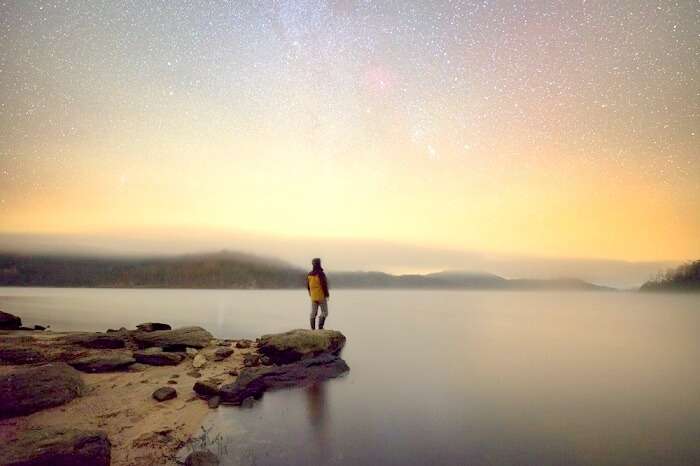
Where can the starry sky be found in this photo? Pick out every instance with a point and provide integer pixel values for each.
(557, 129)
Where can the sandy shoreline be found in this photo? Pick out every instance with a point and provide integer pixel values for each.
(142, 430)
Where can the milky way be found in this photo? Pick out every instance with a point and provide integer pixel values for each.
(446, 93)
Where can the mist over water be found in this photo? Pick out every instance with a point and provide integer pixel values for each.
(339, 254)
(444, 377)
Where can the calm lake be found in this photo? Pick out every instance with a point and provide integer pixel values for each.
(443, 377)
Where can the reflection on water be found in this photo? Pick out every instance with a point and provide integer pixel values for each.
(316, 397)
(316, 408)
(445, 377)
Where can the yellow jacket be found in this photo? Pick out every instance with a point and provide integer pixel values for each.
(317, 286)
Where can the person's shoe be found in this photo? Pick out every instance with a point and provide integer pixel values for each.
(313, 324)
(321, 321)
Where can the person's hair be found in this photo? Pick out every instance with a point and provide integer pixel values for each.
(316, 261)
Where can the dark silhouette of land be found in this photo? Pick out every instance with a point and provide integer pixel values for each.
(232, 270)
(685, 277)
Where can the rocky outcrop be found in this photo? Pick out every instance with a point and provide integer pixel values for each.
(57, 447)
(105, 362)
(153, 326)
(9, 321)
(201, 458)
(165, 393)
(20, 355)
(27, 390)
(97, 340)
(295, 345)
(222, 353)
(173, 340)
(156, 357)
(255, 381)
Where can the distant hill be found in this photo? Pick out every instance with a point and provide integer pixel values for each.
(453, 280)
(231, 270)
(685, 277)
(467, 279)
(217, 270)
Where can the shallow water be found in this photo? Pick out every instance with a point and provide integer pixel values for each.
(443, 377)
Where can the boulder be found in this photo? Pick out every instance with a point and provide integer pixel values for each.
(201, 458)
(39, 327)
(173, 340)
(105, 362)
(206, 388)
(251, 360)
(9, 321)
(295, 345)
(194, 374)
(243, 344)
(254, 382)
(97, 340)
(27, 390)
(153, 326)
(158, 358)
(57, 446)
(165, 393)
(20, 355)
(222, 353)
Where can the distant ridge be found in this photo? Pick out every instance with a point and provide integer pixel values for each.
(234, 270)
(211, 270)
(455, 280)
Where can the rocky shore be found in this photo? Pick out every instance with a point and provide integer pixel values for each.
(135, 396)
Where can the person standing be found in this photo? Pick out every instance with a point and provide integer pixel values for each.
(317, 284)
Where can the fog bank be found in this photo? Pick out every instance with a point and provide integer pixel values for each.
(339, 254)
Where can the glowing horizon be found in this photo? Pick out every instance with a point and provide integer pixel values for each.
(527, 129)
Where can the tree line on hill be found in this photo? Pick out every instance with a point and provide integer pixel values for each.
(231, 270)
(685, 277)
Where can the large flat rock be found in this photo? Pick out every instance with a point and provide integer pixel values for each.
(173, 340)
(106, 362)
(57, 447)
(27, 390)
(158, 357)
(97, 340)
(255, 381)
(295, 345)
(20, 355)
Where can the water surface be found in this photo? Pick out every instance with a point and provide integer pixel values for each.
(444, 377)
